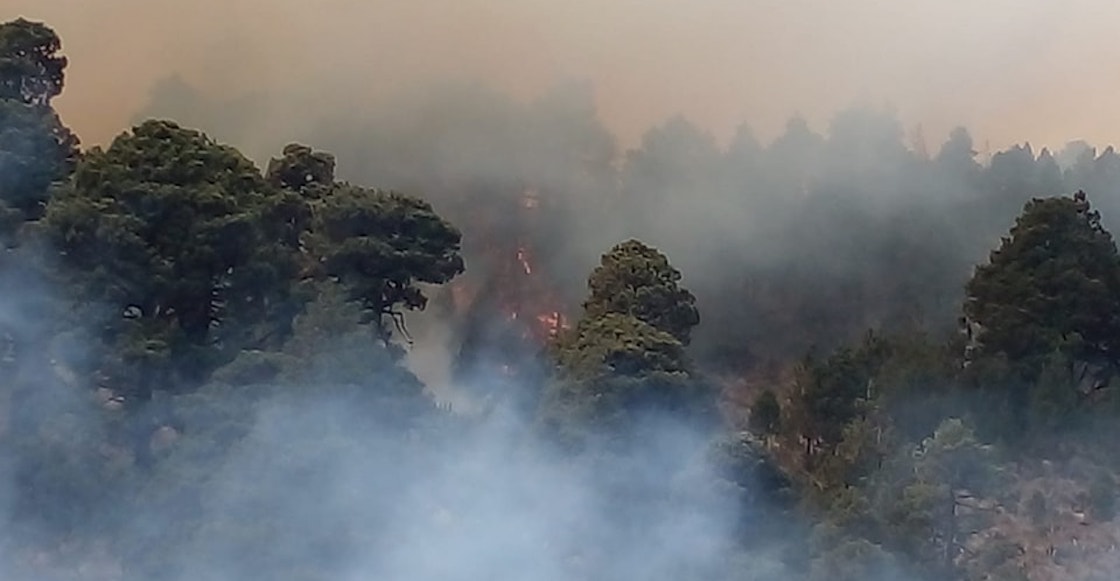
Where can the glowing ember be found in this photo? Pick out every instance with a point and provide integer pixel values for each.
(552, 323)
(515, 290)
(530, 199)
(523, 258)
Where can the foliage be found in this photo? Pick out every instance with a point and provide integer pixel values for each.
(36, 149)
(380, 245)
(850, 560)
(302, 170)
(1044, 315)
(950, 466)
(184, 240)
(837, 391)
(615, 368)
(31, 70)
(766, 413)
(331, 349)
(637, 280)
(1053, 284)
(625, 356)
(620, 345)
(952, 456)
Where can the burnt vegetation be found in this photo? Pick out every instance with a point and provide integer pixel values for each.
(832, 356)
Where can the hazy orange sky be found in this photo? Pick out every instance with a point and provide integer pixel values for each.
(1010, 70)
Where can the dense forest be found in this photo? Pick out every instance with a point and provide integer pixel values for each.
(833, 356)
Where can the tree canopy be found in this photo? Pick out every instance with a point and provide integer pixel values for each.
(31, 70)
(636, 280)
(1052, 285)
(302, 169)
(622, 357)
(380, 245)
(36, 149)
(175, 232)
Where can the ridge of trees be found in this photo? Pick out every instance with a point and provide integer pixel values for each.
(180, 287)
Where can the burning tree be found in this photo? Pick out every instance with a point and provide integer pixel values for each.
(510, 304)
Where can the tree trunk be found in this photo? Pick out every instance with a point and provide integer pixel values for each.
(951, 532)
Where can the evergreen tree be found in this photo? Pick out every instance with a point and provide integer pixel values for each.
(36, 149)
(626, 355)
(1049, 296)
(187, 244)
(636, 280)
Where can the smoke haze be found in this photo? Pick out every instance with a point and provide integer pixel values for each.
(323, 481)
(1009, 70)
(547, 132)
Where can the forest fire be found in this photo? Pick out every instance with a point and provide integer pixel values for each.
(553, 323)
(510, 305)
(532, 301)
(528, 300)
(516, 285)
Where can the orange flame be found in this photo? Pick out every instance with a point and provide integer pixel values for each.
(552, 323)
(520, 288)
